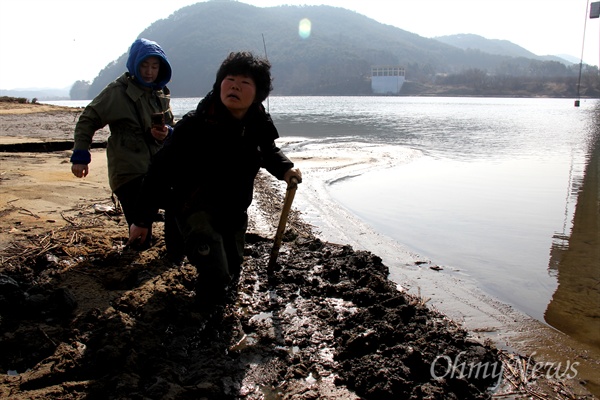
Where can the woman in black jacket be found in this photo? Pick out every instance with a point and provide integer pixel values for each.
(208, 167)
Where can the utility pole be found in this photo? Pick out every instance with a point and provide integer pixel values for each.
(594, 13)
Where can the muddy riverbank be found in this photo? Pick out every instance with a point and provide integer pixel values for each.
(84, 318)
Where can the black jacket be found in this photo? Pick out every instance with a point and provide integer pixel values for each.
(211, 160)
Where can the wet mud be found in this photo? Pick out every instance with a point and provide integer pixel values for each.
(84, 318)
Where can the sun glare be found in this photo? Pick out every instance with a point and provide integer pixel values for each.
(304, 28)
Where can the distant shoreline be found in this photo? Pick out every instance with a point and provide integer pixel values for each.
(12, 105)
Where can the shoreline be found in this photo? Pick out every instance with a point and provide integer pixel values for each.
(450, 293)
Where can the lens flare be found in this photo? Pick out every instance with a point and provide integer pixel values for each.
(304, 28)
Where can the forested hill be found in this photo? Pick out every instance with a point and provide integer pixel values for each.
(335, 59)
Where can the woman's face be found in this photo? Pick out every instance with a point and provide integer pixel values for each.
(237, 94)
(149, 69)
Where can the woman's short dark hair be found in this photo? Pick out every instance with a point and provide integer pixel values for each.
(245, 63)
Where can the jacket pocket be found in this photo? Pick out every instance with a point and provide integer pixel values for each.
(128, 156)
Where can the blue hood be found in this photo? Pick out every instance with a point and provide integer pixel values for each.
(142, 49)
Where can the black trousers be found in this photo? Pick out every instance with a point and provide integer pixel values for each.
(128, 195)
(225, 239)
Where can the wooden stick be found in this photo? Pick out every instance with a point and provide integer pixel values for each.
(287, 205)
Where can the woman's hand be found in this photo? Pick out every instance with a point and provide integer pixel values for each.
(80, 170)
(137, 233)
(159, 133)
(292, 173)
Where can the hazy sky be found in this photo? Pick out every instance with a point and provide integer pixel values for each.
(53, 43)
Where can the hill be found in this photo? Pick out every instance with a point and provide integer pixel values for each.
(497, 46)
(336, 55)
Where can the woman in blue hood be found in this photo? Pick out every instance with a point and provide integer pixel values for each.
(140, 50)
(127, 106)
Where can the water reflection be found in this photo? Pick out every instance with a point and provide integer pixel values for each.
(575, 306)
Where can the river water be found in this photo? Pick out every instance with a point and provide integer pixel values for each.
(487, 187)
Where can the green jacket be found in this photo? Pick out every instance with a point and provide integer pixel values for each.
(126, 108)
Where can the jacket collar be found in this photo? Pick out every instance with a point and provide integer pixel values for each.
(133, 89)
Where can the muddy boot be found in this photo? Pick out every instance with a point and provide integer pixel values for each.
(197, 251)
(209, 292)
(173, 240)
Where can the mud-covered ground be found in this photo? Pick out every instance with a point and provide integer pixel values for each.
(82, 317)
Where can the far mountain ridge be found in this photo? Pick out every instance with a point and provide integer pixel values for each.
(467, 41)
(336, 58)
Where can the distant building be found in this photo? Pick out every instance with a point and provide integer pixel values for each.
(387, 79)
(595, 10)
